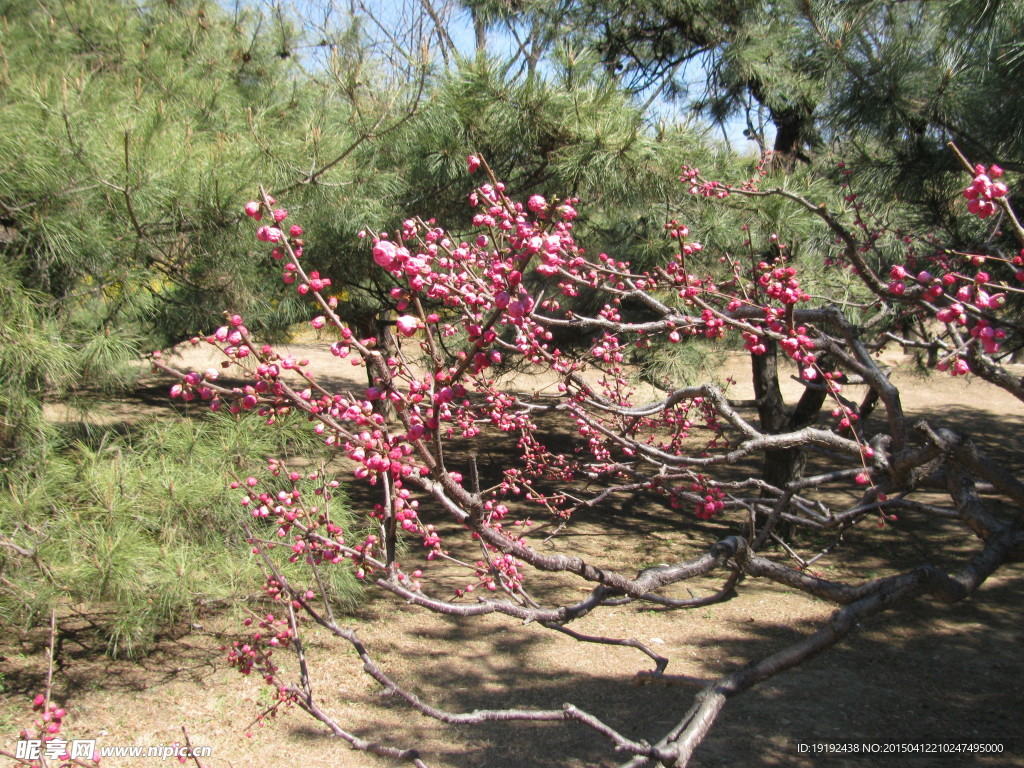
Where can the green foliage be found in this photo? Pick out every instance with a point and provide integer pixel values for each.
(693, 361)
(911, 77)
(754, 56)
(145, 525)
(132, 137)
(562, 134)
(33, 358)
(136, 135)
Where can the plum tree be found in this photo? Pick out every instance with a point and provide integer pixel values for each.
(502, 290)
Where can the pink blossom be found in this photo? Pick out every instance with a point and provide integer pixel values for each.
(982, 191)
(472, 162)
(384, 253)
(269, 234)
(407, 325)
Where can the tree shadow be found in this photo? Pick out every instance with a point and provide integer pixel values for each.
(922, 673)
(925, 672)
(81, 664)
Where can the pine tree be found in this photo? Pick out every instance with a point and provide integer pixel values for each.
(909, 78)
(893, 79)
(132, 138)
(754, 55)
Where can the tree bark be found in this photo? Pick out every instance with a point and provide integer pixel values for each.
(781, 466)
(378, 326)
(778, 465)
(480, 32)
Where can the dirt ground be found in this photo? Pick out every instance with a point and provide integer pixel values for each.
(922, 673)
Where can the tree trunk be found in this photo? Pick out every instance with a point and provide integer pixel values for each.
(778, 465)
(378, 326)
(480, 31)
(782, 466)
(791, 137)
(793, 128)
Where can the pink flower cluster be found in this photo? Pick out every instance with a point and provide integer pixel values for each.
(959, 300)
(781, 284)
(47, 732)
(711, 503)
(982, 191)
(698, 186)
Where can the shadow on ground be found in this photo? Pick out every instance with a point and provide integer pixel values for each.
(922, 673)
